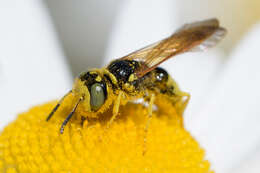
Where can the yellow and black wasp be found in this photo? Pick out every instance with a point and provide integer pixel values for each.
(137, 75)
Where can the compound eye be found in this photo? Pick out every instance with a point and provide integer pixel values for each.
(97, 96)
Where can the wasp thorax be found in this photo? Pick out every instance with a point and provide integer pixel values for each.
(96, 88)
(122, 69)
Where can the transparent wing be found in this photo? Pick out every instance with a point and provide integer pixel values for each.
(197, 36)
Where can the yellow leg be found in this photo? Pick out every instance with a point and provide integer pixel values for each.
(150, 112)
(115, 108)
(182, 104)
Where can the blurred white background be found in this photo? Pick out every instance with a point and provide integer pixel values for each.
(44, 44)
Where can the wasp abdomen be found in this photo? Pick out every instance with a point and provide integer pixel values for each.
(161, 75)
(158, 80)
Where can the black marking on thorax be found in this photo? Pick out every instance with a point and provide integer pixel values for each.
(122, 69)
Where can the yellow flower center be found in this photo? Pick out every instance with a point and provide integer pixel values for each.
(30, 144)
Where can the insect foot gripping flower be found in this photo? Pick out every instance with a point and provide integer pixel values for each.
(30, 144)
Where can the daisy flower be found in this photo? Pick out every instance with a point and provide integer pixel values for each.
(223, 82)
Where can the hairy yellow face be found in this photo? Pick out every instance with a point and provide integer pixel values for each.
(80, 90)
(96, 93)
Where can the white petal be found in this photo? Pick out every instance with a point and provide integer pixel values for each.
(228, 127)
(196, 74)
(250, 164)
(84, 27)
(32, 67)
(138, 24)
(236, 15)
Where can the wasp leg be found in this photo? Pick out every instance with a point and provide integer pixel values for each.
(183, 102)
(150, 112)
(69, 116)
(115, 109)
(57, 106)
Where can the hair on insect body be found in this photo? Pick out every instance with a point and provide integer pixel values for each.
(137, 74)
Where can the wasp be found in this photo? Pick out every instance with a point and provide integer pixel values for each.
(137, 75)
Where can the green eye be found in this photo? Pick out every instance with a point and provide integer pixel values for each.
(97, 96)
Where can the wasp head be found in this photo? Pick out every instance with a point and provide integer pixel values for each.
(92, 88)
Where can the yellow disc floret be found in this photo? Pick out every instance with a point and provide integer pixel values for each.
(30, 144)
